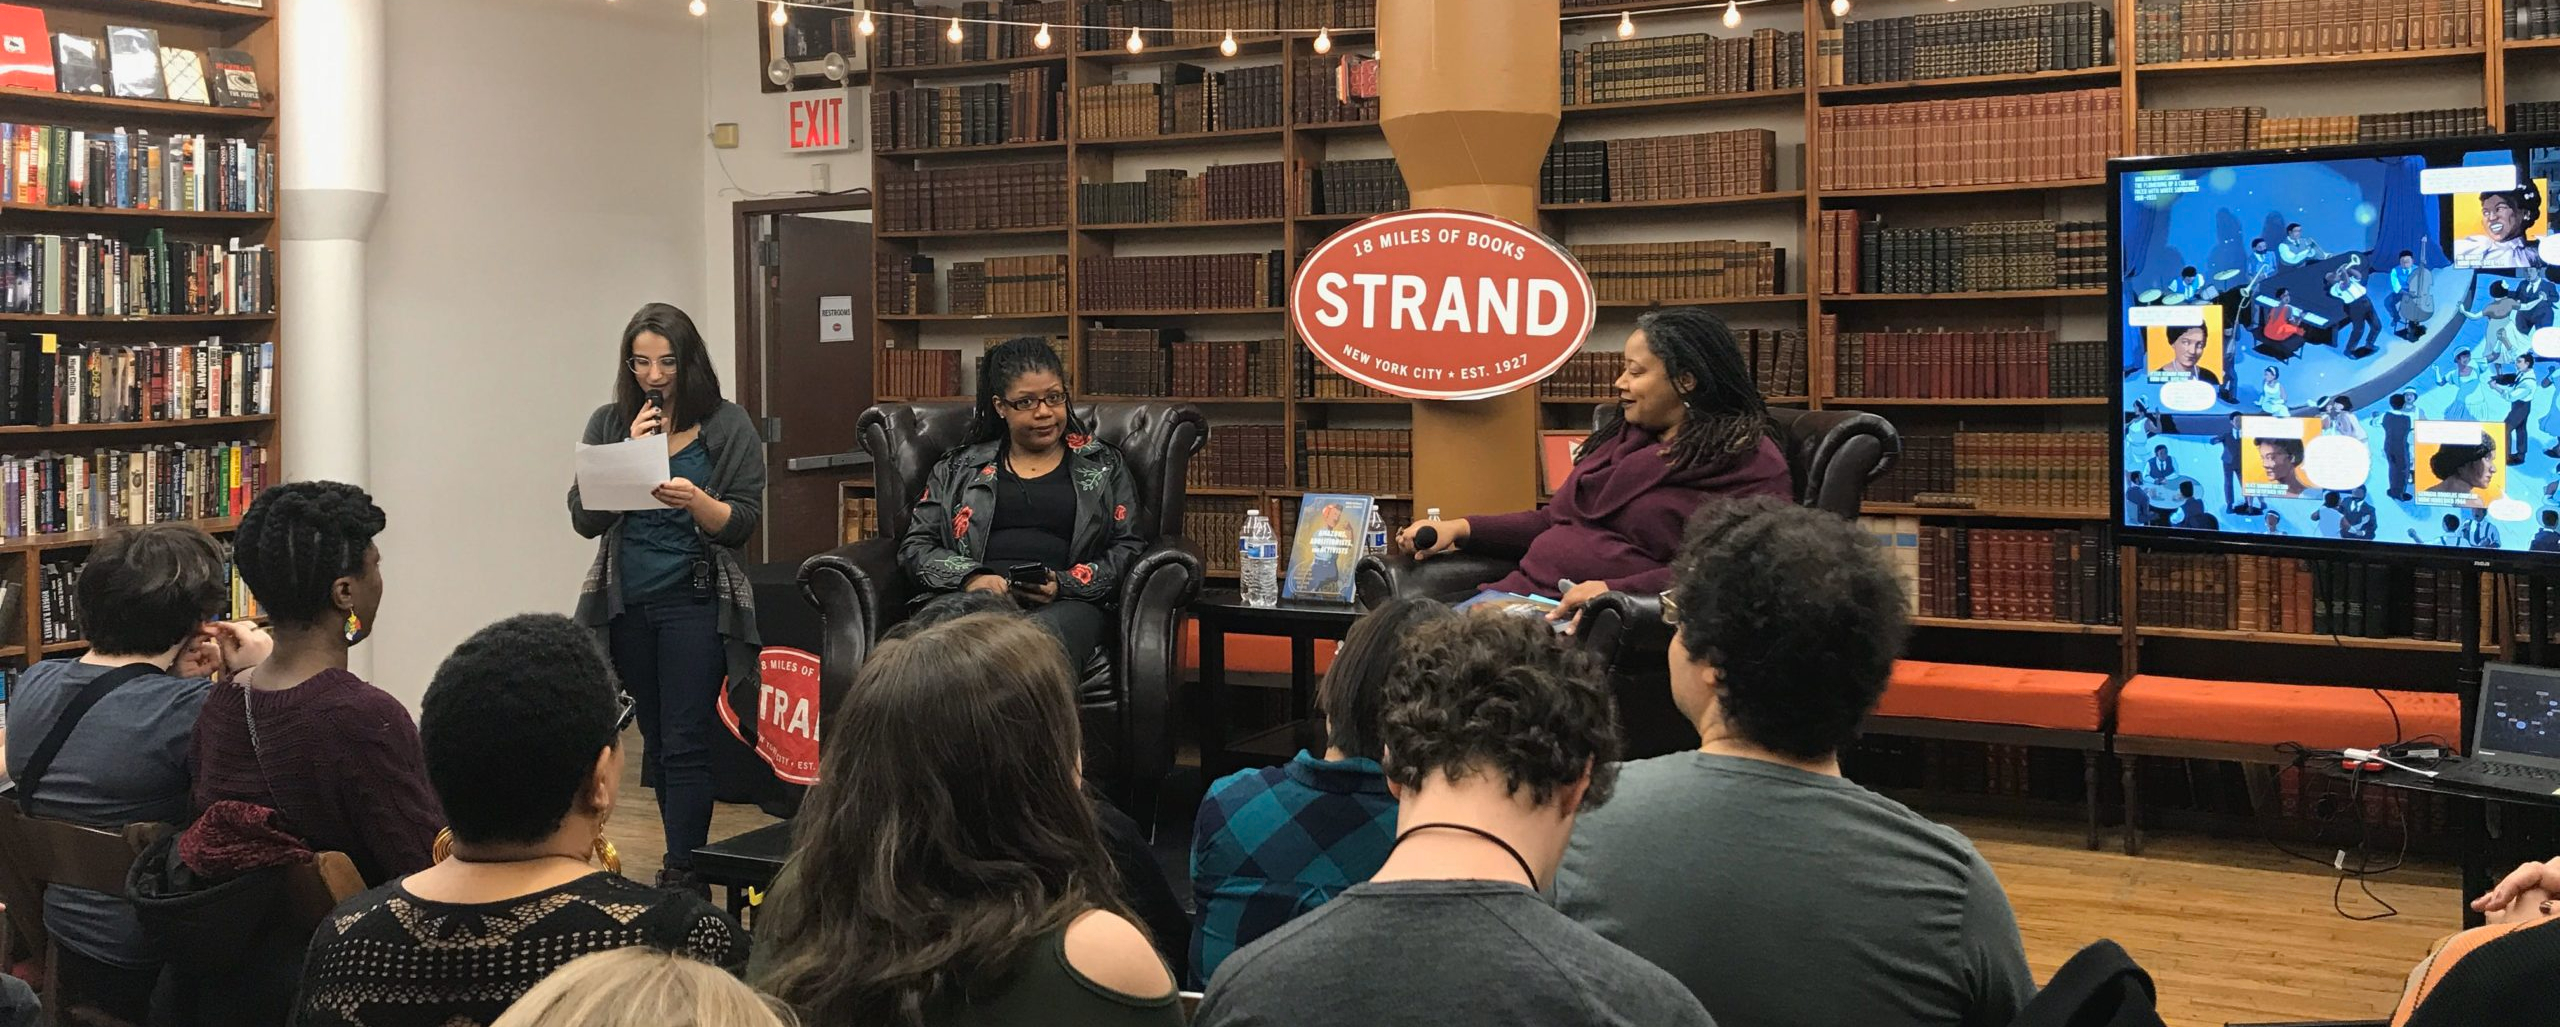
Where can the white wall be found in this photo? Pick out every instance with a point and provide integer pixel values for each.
(545, 161)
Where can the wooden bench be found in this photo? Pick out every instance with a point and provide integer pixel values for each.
(2244, 722)
(1250, 654)
(2050, 709)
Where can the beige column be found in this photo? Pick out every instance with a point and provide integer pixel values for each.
(1469, 104)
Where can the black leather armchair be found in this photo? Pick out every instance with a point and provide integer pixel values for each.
(1126, 696)
(1831, 455)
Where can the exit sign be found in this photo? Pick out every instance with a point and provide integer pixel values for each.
(818, 125)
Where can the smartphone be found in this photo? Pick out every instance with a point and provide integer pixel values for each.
(1027, 575)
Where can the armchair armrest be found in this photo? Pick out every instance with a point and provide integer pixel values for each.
(1448, 576)
(1625, 630)
(1154, 599)
(859, 590)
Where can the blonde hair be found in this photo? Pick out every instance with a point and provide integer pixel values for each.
(640, 987)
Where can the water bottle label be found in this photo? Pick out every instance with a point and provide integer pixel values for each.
(1262, 551)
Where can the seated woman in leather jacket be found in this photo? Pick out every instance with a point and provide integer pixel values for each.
(1032, 505)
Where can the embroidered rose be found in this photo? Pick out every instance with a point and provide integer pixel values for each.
(989, 471)
(1083, 573)
(1078, 442)
(1120, 512)
(960, 522)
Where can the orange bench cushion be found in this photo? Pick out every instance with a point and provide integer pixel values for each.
(1267, 654)
(2255, 713)
(2057, 699)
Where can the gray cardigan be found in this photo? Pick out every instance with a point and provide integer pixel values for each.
(737, 478)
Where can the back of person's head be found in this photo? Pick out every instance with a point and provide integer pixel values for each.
(1492, 694)
(947, 607)
(1354, 687)
(300, 539)
(1797, 616)
(515, 726)
(948, 829)
(146, 590)
(642, 987)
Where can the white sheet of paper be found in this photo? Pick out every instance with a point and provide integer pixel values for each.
(620, 475)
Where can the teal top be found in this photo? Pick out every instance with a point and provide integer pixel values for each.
(660, 546)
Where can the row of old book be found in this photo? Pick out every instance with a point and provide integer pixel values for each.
(1035, 284)
(1029, 106)
(2234, 592)
(2059, 471)
(977, 197)
(1690, 64)
(1999, 256)
(1370, 461)
(1958, 44)
(1188, 99)
(1672, 272)
(49, 492)
(1159, 362)
(49, 383)
(860, 519)
(1940, 363)
(61, 166)
(96, 276)
(1989, 140)
(2038, 575)
(902, 285)
(1318, 380)
(1242, 456)
(1368, 186)
(1776, 356)
(2536, 116)
(2532, 19)
(920, 374)
(2220, 129)
(2224, 30)
(1334, 89)
(1741, 162)
(1200, 281)
(1224, 192)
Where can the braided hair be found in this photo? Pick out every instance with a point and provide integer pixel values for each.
(298, 539)
(997, 370)
(1726, 416)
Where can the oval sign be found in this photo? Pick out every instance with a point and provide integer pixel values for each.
(787, 713)
(1442, 304)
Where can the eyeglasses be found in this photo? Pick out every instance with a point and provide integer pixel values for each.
(640, 364)
(1028, 404)
(622, 720)
(1670, 609)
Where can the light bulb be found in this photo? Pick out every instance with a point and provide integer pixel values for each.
(1732, 13)
(779, 17)
(1324, 40)
(1227, 46)
(1041, 38)
(953, 33)
(697, 7)
(1626, 25)
(1839, 8)
(1136, 42)
(866, 27)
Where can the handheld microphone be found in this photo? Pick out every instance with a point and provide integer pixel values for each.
(659, 400)
(1424, 538)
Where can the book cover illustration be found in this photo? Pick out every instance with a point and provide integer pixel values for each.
(26, 54)
(133, 63)
(185, 72)
(1329, 544)
(77, 64)
(233, 78)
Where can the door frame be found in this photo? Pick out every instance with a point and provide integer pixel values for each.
(747, 342)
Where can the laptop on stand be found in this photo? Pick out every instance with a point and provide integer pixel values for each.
(2516, 740)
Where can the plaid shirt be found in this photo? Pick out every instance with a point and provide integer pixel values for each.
(1274, 843)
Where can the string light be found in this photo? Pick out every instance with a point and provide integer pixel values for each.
(1626, 25)
(1732, 14)
(954, 34)
(780, 17)
(1227, 46)
(1041, 39)
(697, 7)
(1324, 40)
(1839, 8)
(866, 27)
(1136, 42)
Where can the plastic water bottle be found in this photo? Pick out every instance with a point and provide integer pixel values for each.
(1261, 554)
(1377, 531)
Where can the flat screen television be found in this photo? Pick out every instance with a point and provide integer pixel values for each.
(2344, 350)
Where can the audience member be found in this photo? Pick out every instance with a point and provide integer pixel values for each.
(1495, 737)
(522, 730)
(337, 758)
(1273, 843)
(2479, 975)
(946, 868)
(104, 739)
(641, 987)
(1778, 891)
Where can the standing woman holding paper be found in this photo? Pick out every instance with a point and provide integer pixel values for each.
(668, 592)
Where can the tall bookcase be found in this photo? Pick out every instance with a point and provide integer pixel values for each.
(195, 25)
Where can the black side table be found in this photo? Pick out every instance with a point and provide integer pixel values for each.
(1223, 612)
(750, 860)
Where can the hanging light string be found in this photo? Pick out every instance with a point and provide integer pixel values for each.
(1625, 19)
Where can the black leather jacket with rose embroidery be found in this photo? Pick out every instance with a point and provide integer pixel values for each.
(946, 540)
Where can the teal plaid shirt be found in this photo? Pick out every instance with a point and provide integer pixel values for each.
(1273, 843)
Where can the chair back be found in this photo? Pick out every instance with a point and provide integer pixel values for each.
(1157, 440)
(1832, 455)
(36, 853)
(313, 889)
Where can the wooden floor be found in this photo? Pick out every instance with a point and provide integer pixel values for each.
(2232, 931)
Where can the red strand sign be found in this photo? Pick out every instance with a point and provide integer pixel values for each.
(1442, 304)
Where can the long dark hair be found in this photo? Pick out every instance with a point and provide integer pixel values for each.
(1350, 694)
(697, 385)
(948, 829)
(1726, 416)
(1004, 362)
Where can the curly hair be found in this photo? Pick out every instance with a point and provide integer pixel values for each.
(511, 725)
(298, 539)
(1797, 614)
(1004, 362)
(1727, 417)
(1493, 693)
(146, 590)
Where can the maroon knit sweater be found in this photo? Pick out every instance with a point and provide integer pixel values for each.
(340, 760)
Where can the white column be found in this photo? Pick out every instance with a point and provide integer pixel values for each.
(332, 168)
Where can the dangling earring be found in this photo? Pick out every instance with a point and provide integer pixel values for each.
(355, 628)
(606, 854)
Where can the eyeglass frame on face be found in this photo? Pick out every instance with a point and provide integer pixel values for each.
(630, 711)
(1028, 404)
(638, 364)
(1670, 608)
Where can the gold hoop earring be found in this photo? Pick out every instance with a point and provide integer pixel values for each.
(606, 854)
(443, 848)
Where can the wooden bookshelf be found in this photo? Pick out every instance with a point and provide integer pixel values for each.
(2400, 57)
(1778, 198)
(1181, 140)
(1936, 297)
(2037, 627)
(2528, 45)
(1966, 190)
(1706, 301)
(1864, 402)
(1987, 513)
(965, 69)
(1186, 226)
(2415, 645)
(196, 25)
(1683, 104)
(974, 233)
(1931, 88)
(936, 151)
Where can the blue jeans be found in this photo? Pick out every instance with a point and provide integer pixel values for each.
(668, 654)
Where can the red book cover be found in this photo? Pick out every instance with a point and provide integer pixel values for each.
(26, 50)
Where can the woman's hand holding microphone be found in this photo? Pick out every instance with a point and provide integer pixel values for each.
(1431, 537)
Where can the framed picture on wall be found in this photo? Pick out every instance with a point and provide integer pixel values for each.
(1556, 452)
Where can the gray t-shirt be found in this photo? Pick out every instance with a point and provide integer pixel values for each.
(1786, 897)
(128, 762)
(1478, 953)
